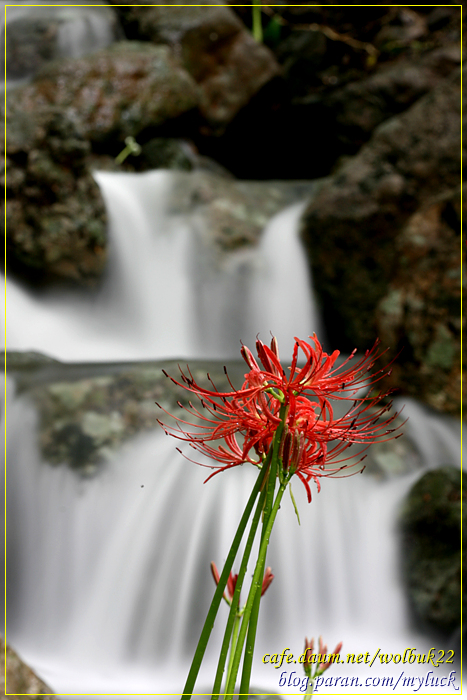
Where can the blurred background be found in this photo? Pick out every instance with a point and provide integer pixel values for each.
(174, 186)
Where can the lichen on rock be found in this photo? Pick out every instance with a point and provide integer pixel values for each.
(430, 525)
(383, 237)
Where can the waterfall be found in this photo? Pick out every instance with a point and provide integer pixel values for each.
(61, 30)
(101, 569)
(108, 578)
(163, 296)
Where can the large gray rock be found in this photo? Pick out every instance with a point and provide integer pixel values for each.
(232, 213)
(430, 523)
(116, 92)
(55, 215)
(227, 63)
(355, 228)
(359, 106)
(86, 412)
(420, 313)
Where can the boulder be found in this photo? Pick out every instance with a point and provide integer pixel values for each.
(228, 65)
(18, 678)
(419, 316)
(360, 222)
(232, 214)
(86, 412)
(116, 92)
(340, 81)
(55, 214)
(430, 526)
(359, 106)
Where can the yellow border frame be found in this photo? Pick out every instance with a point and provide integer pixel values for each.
(5, 411)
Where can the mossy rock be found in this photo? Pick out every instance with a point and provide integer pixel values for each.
(430, 525)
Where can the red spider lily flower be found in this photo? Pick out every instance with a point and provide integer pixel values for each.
(232, 582)
(309, 658)
(313, 439)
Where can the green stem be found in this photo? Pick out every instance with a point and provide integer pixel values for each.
(253, 623)
(132, 147)
(311, 685)
(236, 597)
(257, 27)
(229, 691)
(232, 646)
(216, 601)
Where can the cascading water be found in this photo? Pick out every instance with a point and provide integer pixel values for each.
(108, 578)
(160, 298)
(52, 30)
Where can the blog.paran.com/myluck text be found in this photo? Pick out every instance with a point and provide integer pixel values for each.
(402, 682)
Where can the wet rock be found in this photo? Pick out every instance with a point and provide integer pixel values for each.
(406, 27)
(228, 65)
(116, 92)
(55, 215)
(170, 153)
(36, 35)
(337, 86)
(231, 213)
(386, 460)
(360, 106)
(419, 316)
(17, 678)
(430, 524)
(86, 412)
(356, 225)
(27, 360)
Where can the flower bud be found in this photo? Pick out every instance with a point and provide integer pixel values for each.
(284, 448)
(308, 654)
(262, 356)
(275, 346)
(248, 357)
(231, 583)
(215, 573)
(325, 665)
(267, 580)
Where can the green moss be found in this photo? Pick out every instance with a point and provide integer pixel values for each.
(442, 350)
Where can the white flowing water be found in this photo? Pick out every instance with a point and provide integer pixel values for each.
(63, 30)
(160, 298)
(108, 578)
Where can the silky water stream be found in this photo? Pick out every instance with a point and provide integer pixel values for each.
(108, 577)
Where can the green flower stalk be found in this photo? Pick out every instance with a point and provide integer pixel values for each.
(131, 148)
(284, 425)
(257, 29)
(315, 665)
